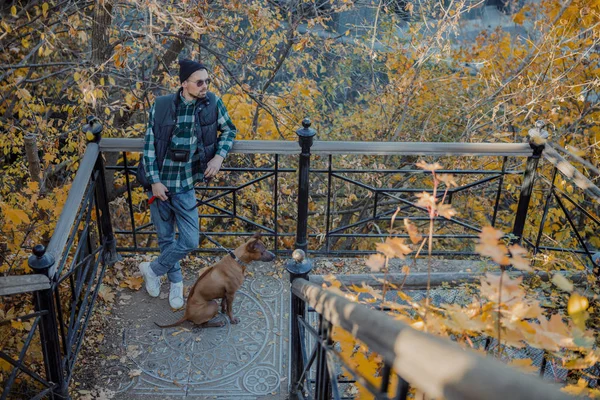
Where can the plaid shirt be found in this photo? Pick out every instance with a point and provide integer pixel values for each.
(181, 176)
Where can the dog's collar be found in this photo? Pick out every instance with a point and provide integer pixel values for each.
(236, 259)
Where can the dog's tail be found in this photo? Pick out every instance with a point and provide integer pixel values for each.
(181, 321)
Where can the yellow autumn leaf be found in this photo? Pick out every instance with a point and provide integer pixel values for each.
(426, 200)
(15, 323)
(562, 283)
(446, 211)
(428, 167)
(517, 260)
(13, 11)
(524, 364)
(5, 366)
(577, 304)
(376, 262)
(133, 282)
(16, 216)
(394, 247)
(106, 294)
(577, 390)
(49, 158)
(519, 18)
(447, 179)
(576, 308)
(413, 232)
(45, 10)
(359, 289)
(332, 280)
(490, 235)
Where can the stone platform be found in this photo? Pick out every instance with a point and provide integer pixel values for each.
(243, 361)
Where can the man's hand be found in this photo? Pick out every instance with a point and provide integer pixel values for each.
(213, 166)
(160, 191)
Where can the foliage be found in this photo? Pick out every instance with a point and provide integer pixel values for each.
(275, 62)
(517, 311)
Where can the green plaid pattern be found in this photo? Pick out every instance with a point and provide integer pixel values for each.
(182, 176)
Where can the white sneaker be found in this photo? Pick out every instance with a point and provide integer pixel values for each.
(152, 281)
(176, 295)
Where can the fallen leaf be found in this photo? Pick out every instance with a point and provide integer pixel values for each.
(135, 372)
(133, 282)
(106, 294)
(17, 324)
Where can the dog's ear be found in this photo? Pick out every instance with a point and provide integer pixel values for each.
(252, 247)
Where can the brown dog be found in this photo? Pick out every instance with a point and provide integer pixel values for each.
(221, 281)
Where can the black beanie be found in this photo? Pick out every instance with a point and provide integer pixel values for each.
(188, 67)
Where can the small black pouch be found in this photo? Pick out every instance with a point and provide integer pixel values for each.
(179, 155)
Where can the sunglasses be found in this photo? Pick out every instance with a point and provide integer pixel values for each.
(201, 82)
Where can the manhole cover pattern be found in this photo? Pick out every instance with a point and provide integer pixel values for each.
(246, 357)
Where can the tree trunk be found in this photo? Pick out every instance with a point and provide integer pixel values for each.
(33, 160)
(102, 18)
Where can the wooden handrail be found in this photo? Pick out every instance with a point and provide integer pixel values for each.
(17, 284)
(345, 147)
(571, 173)
(63, 228)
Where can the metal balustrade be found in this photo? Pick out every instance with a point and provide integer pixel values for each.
(307, 214)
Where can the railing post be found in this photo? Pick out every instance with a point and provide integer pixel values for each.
(305, 138)
(41, 263)
(93, 131)
(298, 267)
(323, 379)
(527, 188)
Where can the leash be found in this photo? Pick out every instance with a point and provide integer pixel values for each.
(231, 253)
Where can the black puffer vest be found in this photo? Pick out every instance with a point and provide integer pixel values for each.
(165, 120)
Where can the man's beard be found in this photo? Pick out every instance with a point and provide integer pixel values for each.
(198, 96)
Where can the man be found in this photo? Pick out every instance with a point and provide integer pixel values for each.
(181, 148)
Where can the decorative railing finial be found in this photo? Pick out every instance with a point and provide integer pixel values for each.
(40, 262)
(93, 129)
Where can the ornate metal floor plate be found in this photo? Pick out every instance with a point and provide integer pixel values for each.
(243, 361)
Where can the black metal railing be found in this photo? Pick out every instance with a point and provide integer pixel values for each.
(331, 205)
(437, 367)
(64, 289)
(346, 204)
(577, 206)
(351, 205)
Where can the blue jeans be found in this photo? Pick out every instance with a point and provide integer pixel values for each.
(165, 215)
